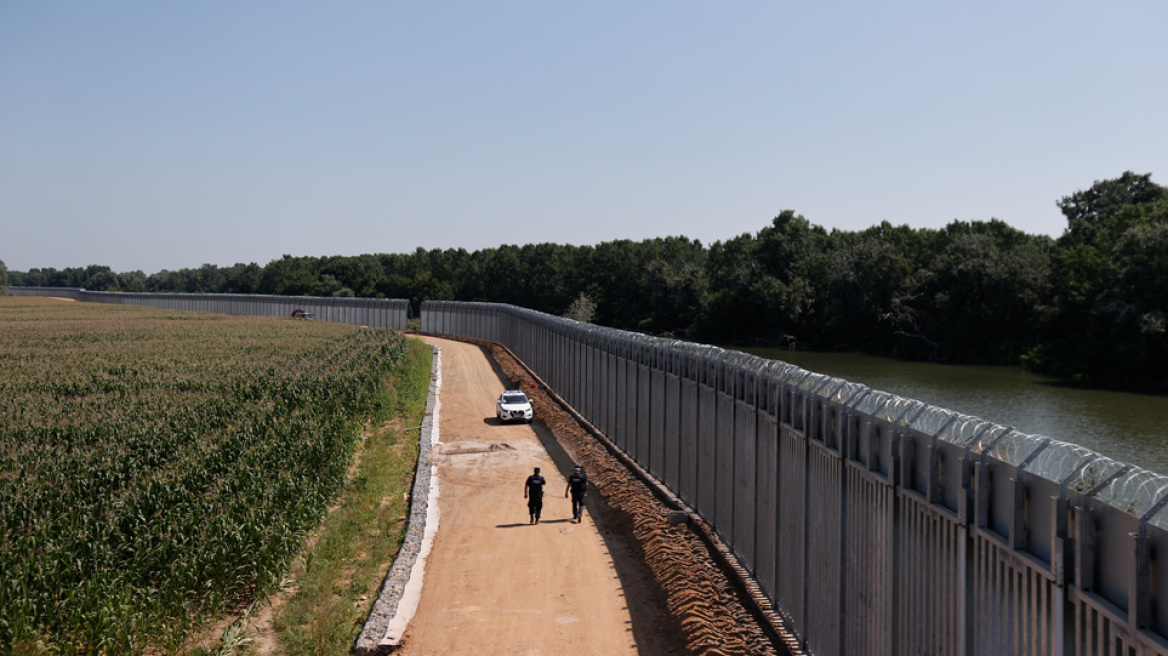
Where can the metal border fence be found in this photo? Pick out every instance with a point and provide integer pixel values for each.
(876, 524)
(375, 312)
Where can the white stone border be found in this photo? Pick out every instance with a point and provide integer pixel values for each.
(402, 590)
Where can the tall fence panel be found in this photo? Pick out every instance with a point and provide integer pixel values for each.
(875, 524)
(657, 421)
(766, 502)
(745, 478)
(707, 458)
(671, 425)
(644, 416)
(687, 458)
(790, 595)
(723, 438)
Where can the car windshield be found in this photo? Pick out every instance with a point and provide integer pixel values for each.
(513, 399)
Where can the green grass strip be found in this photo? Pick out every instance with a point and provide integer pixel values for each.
(339, 579)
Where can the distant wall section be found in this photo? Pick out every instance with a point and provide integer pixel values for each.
(375, 312)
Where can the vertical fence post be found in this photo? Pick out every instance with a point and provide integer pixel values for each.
(1140, 604)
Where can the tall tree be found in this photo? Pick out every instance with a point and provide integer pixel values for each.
(1099, 215)
(983, 295)
(131, 281)
(1107, 318)
(675, 283)
(764, 287)
(867, 273)
(612, 275)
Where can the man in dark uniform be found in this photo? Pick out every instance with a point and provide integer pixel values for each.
(578, 486)
(533, 492)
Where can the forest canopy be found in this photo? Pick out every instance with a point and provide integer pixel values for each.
(1091, 305)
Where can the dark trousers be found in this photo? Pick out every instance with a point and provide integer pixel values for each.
(577, 505)
(535, 506)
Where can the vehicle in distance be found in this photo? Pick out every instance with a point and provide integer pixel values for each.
(514, 405)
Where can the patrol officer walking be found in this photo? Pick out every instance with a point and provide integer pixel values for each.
(578, 487)
(533, 492)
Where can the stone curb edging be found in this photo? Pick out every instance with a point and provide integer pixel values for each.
(402, 589)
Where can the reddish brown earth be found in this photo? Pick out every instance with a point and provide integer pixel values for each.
(624, 581)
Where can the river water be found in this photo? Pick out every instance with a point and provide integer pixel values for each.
(1132, 428)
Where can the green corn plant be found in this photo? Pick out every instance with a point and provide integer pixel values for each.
(160, 466)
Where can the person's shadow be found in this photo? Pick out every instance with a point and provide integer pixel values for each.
(542, 521)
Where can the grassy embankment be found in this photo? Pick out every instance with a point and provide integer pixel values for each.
(160, 468)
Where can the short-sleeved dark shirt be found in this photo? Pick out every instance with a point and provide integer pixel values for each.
(578, 483)
(535, 484)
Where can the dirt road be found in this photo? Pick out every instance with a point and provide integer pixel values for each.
(494, 583)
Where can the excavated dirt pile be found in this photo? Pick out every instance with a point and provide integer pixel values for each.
(708, 609)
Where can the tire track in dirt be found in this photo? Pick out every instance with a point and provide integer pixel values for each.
(707, 606)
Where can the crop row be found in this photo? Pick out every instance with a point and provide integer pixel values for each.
(159, 466)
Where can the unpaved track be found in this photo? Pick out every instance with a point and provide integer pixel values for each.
(495, 584)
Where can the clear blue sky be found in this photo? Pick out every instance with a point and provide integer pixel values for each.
(161, 135)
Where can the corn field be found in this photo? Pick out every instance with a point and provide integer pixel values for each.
(157, 467)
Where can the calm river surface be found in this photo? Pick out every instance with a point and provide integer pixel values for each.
(1132, 428)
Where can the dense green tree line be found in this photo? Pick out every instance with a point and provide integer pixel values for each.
(1091, 305)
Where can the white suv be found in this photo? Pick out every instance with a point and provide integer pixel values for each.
(514, 405)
